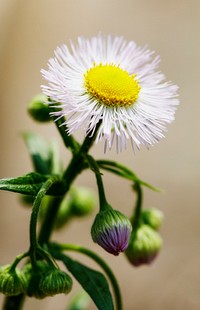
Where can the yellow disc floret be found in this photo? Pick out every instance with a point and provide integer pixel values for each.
(112, 85)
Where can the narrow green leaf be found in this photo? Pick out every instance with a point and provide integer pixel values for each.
(92, 281)
(124, 172)
(55, 161)
(40, 152)
(153, 188)
(28, 184)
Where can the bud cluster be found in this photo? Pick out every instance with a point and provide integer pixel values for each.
(145, 242)
(45, 280)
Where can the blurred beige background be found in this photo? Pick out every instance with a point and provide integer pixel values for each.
(29, 32)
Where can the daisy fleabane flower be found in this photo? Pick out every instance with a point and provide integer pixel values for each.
(117, 83)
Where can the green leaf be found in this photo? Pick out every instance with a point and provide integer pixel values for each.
(55, 161)
(45, 155)
(92, 281)
(31, 183)
(28, 184)
(39, 151)
(124, 172)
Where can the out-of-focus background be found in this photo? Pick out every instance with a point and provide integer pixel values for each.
(29, 33)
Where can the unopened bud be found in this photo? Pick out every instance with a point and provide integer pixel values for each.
(12, 281)
(33, 277)
(55, 282)
(64, 213)
(38, 109)
(111, 230)
(153, 218)
(144, 245)
(83, 201)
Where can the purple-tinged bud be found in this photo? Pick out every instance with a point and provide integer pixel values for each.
(111, 230)
(144, 245)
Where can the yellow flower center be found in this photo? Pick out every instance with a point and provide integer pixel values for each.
(112, 85)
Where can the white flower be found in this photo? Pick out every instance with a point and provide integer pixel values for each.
(116, 82)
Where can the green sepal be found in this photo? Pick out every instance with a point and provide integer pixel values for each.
(30, 184)
(92, 281)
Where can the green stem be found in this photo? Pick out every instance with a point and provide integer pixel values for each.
(102, 263)
(60, 122)
(33, 222)
(95, 168)
(14, 302)
(136, 217)
(48, 221)
(46, 255)
(17, 259)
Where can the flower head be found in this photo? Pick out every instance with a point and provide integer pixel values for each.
(115, 82)
(144, 245)
(111, 230)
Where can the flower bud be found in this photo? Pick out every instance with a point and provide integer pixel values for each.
(111, 230)
(33, 277)
(38, 109)
(153, 218)
(64, 213)
(144, 245)
(55, 282)
(12, 281)
(83, 201)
